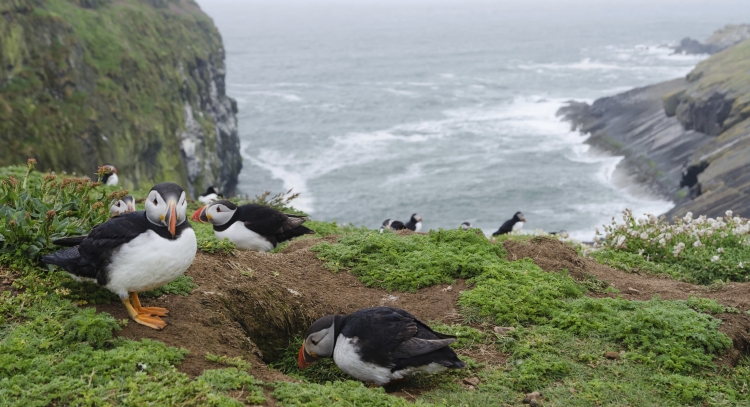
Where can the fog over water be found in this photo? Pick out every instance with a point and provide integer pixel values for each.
(376, 110)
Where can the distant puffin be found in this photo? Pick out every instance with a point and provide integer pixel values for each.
(378, 345)
(386, 225)
(510, 224)
(415, 223)
(210, 195)
(136, 251)
(562, 233)
(391, 224)
(251, 227)
(110, 178)
(124, 205)
(465, 226)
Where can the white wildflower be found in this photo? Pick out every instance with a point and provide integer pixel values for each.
(720, 250)
(741, 265)
(697, 243)
(668, 236)
(662, 241)
(620, 241)
(644, 235)
(714, 259)
(640, 252)
(688, 217)
(728, 213)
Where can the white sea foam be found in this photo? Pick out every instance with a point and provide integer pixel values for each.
(289, 97)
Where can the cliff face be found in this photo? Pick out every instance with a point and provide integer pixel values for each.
(689, 139)
(134, 83)
(730, 35)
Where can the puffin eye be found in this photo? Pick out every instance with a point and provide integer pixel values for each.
(218, 209)
(314, 342)
(156, 202)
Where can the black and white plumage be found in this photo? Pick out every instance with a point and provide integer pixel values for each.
(110, 178)
(251, 227)
(378, 345)
(465, 226)
(135, 251)
(415, 223)
(514, 223)
(124, 205)
(210, 195)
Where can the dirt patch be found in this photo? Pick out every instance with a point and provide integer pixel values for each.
(552, 255)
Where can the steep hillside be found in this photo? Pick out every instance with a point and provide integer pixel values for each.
(689, 139)
(134, 83)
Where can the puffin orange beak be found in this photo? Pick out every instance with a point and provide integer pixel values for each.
(198, 214)
(302, 359)
(172, 219)
(131, 207)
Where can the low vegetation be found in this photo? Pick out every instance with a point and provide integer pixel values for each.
(553, 336)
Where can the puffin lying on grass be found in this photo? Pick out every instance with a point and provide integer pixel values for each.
(414, 224)
(378, 345)
(251, 227)
(511, 224)
(209, 196)
(124, 205)
(135, 251)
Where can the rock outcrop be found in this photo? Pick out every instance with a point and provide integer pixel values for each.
(688, 139)
(134, 83)
(730, 35)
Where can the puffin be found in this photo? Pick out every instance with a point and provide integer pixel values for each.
(510, 224)
(378, 345)
(465, 226)
(251, 227)
(124, 205)
(562, 233)
(415, 223)
(110, 178)
(135, 251)
(391, 224)
(210, 195)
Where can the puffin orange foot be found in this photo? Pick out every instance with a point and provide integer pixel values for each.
(151, 322)
(156, 311)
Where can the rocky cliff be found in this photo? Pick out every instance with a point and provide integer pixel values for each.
(730, 35)
(689, 139)
(134, 83)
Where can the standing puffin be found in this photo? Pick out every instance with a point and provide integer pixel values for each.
(415, 223)
(110, 178)
(465, 226)
(378, 345)
(136, 251)
(210, 195)
(124, 205)
(510, 224)
(251, 227)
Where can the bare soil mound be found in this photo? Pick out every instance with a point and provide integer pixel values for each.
(553, 255)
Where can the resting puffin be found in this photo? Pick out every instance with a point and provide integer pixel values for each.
(251, 227)
(210, 195)
(465, 226)
(386, 225)
(415, 223)
(136, 251)
(124, 205)
(378, 345)
(110, 178)
(510, 224)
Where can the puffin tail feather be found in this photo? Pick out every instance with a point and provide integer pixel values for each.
(67, 258)
(292, 233)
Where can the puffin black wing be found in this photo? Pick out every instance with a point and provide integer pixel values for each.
(95, 251)
(269, 222)
(506, 227)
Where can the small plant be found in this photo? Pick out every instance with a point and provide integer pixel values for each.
(701, 249)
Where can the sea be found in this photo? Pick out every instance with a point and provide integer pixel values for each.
(380, 109)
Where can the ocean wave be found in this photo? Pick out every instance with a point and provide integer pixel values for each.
(289, 97)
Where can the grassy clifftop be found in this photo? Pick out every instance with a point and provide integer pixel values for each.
(134, 83)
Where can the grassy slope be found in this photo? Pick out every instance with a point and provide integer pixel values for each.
(86, 86)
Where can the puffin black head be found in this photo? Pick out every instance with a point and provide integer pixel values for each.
(215, 213)
(518, 217)
(415, 217)
(466, 226)
(210, 190)
(319, 341)
(166, 205)
(124, 205)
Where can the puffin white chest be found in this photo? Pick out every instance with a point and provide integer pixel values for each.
(348, 360)
(150, 261)
(418, 226)
(244, 238)
(112, 180)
